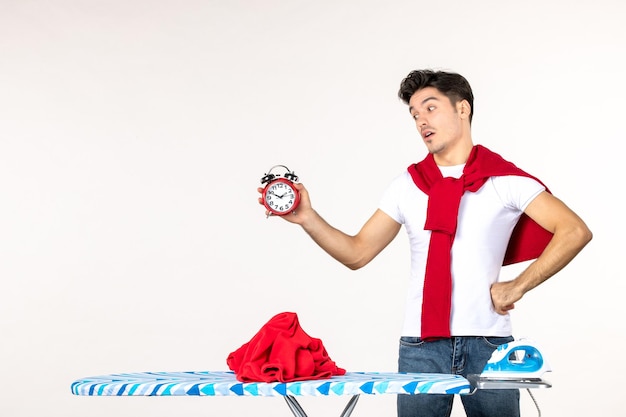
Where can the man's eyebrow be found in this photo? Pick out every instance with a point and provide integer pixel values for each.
(424, 101)
(429, 98)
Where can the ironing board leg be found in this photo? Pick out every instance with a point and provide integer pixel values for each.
(295, 407)
(297, 410)
(350, 406)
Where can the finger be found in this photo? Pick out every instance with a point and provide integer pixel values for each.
(506, 309)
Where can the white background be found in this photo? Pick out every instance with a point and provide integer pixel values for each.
(133, 135)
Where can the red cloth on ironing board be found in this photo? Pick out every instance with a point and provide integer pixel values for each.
(444, 196)
(281, 351)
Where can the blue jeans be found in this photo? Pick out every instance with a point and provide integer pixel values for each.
(461, 356)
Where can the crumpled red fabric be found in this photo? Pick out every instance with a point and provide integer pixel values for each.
(282, 352)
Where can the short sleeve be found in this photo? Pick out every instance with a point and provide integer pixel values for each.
(390, 200)
(517, 192)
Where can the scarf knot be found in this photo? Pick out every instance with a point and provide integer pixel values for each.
(443, 205)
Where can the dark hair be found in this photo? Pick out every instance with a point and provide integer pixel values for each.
(452, 85)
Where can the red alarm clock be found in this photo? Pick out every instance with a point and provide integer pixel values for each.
(280, 197)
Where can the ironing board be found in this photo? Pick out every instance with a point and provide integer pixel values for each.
(351, 384)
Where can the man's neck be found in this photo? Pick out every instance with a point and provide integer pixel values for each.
(456, 156)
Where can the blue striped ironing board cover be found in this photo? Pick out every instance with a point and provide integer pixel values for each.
(208, 383)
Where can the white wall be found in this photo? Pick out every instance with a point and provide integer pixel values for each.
(133, 135)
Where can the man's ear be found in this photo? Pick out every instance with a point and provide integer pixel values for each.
(464, 108)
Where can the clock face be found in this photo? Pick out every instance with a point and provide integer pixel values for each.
(281, 197)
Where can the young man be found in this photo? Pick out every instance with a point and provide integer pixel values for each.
(467, 212)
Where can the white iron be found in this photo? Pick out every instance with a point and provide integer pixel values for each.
(520, 359)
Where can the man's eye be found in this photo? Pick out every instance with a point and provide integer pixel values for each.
(416, 116)
(431, 108)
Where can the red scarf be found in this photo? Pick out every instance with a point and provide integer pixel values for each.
(444, 196)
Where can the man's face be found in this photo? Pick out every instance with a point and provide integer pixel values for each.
(438, 121)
